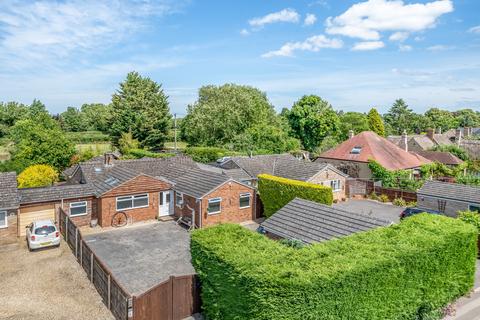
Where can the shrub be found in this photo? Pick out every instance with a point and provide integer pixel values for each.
(142, 153)
(470, 217)
(39, 175)
(87, 137)
(411, 204)
(384, 198)
(208, 154)
(275, 192)
(399, 202)
(374, 196)
(405, 271)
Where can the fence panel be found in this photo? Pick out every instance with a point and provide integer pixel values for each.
(86, 259)
(186, 296)
(100, 280)
(118, 300)
(155, 304)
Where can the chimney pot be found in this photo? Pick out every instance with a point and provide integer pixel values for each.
(430, 132)
(350, 134)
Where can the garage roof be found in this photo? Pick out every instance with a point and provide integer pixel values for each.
(8, 190)
(54, 193)
(453, 191)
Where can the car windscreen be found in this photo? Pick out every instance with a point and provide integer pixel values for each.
(45, 230)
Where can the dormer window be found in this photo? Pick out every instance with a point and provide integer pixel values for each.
(356, 150)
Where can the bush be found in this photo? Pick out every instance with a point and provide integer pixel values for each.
(208, 154)
(275, 192)
(383, 198)
(142, 153)
(39, 175)
(399, 202)
(374, 196)
(405, 271)
(470, 217)
(87, 137)
(411, 204)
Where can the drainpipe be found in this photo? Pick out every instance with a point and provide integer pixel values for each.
(200, 214)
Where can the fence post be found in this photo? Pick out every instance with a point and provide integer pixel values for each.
(172, 279)
(91, 267)
(81, 254)
(66, 228)
(108, 289)
(76, 243)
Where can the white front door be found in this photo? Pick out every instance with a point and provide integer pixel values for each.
(164, 203)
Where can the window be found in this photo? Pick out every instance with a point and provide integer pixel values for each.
(214, 205)
(78, 208)
(356, 150)
(336, 185)
(44, 230)
(474, 208)
(3, 219)
(178, 199)
(132, 202)
(244, 200)
(441, 205)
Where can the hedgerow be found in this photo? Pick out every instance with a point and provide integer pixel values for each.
(405, 271)
(276, 192)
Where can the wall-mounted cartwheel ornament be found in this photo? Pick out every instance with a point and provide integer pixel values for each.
(119, 219)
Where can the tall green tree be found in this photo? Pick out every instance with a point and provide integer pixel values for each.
(311, 120)
(73, 120)
(222, 113)
(10, 113)
(467, 118)
(355, 121)
(375, 122)
(440, 119)
(140, 106)
(399, 116)
(97, 116)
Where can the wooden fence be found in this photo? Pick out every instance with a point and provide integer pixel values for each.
(115, 297)
(365, 187)
(174, 299)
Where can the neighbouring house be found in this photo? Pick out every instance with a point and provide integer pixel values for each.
(352, 156)
(311, 222)
(9, 207)
(446, 158)
(247, 168)
(424, 142)
(448, 198)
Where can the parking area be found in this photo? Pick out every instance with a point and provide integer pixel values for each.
(142, 257)
(372, 208)
(46, 284)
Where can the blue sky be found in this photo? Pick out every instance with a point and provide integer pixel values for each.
(355, 54)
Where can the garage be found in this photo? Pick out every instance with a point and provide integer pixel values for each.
(30, 214)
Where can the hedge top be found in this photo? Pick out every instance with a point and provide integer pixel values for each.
(292, 182)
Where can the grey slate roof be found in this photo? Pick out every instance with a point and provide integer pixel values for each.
(8, 190)
(452, 191)
(311, 222)
(54, 193)
(198, 183)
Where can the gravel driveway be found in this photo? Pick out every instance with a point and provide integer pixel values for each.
(46, 284)
(372, 208)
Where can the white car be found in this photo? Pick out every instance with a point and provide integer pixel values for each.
(41, 234)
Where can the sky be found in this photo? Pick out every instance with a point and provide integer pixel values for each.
(354, 54)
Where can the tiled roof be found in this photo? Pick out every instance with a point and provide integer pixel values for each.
(311, 222)
(110, 178)
(442, 157)
(198, 183)
(442, 140)
(8, 190)
(423, 142)
(372, 146)
(54, 193)
(452, 191)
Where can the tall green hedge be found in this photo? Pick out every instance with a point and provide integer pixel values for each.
(276, 192)
(405, 271)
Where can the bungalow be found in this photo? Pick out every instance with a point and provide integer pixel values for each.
(352, 156)
(247, 168)
(448, 198)
(9, 206)
(311, 222)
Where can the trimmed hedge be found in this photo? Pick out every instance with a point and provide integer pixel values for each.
(405, 271)
(276, 192)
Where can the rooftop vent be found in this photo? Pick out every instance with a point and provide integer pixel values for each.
(111, 181)
(97, 170)
(356, 150)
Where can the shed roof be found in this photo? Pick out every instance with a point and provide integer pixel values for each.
(311, 222)
(8, 191)
(54, 193)
(451, 191)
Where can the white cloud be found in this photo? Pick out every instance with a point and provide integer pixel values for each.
(366, 20)
(475, 29)
(285, 15)
(405, 47)
(314, 44)
(368, 45)
(439, 47)
(244, 32)
(310, 19)
(399, 36)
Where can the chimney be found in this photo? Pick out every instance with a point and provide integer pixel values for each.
(458, 136)
(430, 132)
(350, 134)
(404, 142)
(108, 159)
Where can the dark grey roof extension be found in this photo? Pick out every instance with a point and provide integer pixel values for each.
(54, 193)
(311, 222)
(451, 191)
(8, 191)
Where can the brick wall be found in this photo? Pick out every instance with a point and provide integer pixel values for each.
(324, 177)
(230, 210)
(9, 234)
(83, 220)
(181, 211)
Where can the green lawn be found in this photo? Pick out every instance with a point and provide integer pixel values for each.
(180, 145)
(97, 148)
(4, 153)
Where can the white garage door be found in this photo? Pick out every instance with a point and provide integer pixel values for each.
(30, 214)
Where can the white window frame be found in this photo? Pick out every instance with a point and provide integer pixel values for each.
(178, 195)
(244, 195)
(76, 205)
(132, 197)
(6, 219)
(339, 185)
(215, 200)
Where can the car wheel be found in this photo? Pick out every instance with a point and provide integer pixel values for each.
(29, 249)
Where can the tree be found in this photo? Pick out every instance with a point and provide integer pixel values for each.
(467, 118)
(127, 143)
(311, 120)
(355, 121)
(39, 175)
(97, 116)
(375, 122)
(141, 106)
(10, 113)
(37, 144)
(440, 119)
(73, 120)
(221, 113)
(399, 117)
